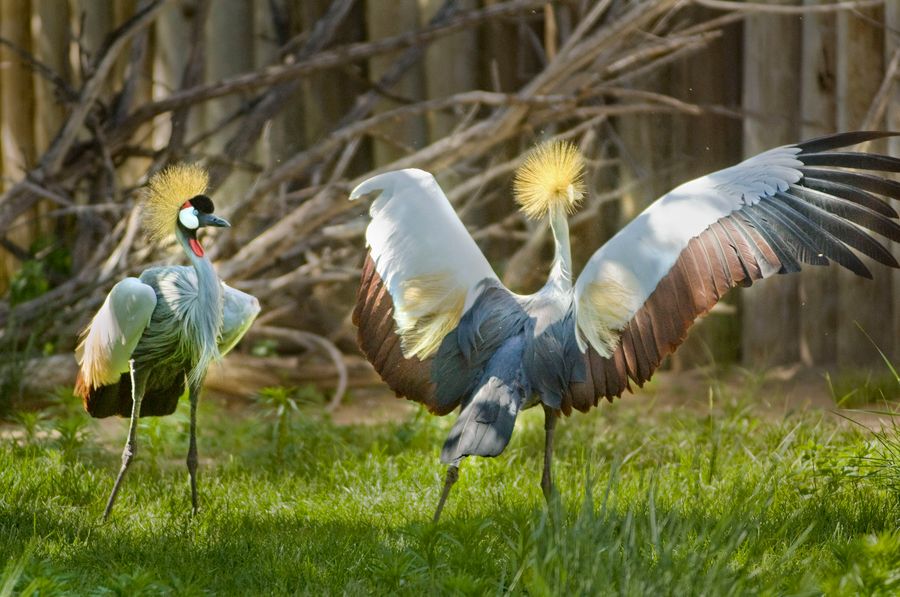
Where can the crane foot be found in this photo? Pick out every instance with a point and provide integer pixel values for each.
(192, 447)
(452, 477)
(130, 450)
(550, 417)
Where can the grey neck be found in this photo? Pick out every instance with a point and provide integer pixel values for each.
(561, 271)
(208, 287)
(205, 313)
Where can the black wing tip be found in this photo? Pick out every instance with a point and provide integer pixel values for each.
(846, 139)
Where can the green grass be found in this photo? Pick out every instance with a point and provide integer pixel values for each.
(862, 387)
(717, 497)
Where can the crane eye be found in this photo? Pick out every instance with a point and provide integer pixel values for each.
(188, 218)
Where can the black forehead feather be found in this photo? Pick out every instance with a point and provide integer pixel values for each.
(203, 204)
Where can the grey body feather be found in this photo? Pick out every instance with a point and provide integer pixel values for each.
(183, 333)
(185, 336)
(486, 423)
(508, 353)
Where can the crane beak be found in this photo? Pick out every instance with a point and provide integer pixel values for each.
(213, 220)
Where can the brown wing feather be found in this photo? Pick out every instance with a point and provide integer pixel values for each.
(711, 264)
(378, 339)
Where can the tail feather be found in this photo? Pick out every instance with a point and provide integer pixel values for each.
(485, 425)
(486, 422)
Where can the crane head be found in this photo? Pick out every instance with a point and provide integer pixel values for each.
(175, 199)
(552, 176)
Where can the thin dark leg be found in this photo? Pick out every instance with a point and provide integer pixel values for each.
(192, 448)
(452, 476)
(137, 394)
(550, 417)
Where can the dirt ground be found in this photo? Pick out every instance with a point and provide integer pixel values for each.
(775, 393)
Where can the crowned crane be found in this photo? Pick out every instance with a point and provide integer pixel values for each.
(160, 332)
(440, 328)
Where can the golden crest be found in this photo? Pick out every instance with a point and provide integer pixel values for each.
(166, 193)
(552, 174)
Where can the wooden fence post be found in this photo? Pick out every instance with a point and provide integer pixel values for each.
(818, 285)
(17, 124)
(701, 144)
(229, 51)
(385, 18)
(892, 123)
(867, 303)
(771, 100)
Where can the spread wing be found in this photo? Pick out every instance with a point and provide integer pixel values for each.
(109, 340)
(639, 294)
(423, 272)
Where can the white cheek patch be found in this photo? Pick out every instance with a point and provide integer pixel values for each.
(188, 218)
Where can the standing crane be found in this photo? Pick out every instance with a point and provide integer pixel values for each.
(160, 332)
(441, 329)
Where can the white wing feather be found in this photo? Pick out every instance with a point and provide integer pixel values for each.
(623, 273)
(239, 311)
(428, 261)
(109, 341)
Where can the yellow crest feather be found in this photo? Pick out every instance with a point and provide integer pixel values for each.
(552, 174)
(166, 193)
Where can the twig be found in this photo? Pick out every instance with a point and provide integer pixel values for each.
(756, 7)
(310, 341)
(879, 104)
(326, 60)
(42, 69)
(91, 90)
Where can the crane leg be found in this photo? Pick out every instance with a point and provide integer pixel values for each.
(452, 477)
(192, 448)
(137, 394)
(550, 418)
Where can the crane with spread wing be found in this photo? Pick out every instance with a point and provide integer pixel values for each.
(441, 329)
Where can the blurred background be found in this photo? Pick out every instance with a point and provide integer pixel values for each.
(291, 103)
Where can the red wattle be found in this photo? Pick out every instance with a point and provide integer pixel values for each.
(195, 247)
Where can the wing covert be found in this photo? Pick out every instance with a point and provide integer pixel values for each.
(109, 340)
(423, 255)
(239, 310)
